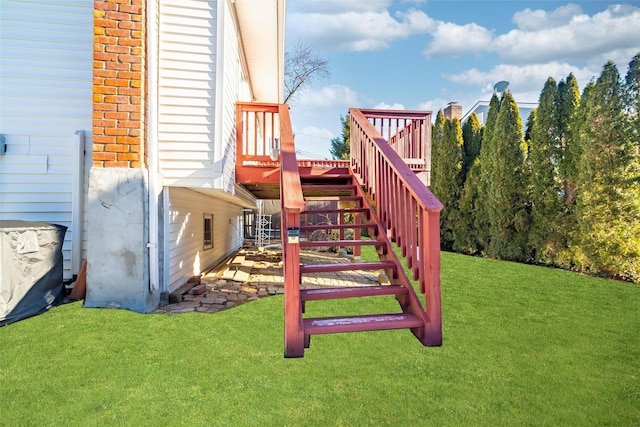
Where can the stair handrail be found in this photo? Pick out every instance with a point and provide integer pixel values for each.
(403, 204)
(292, 204)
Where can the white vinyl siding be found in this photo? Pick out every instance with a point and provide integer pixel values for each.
(233, 83)
(46, 54)
(187, 256)
(187, 96)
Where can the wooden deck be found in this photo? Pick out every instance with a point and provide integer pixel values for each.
(377, 191)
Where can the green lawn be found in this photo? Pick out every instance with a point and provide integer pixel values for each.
(523, 345)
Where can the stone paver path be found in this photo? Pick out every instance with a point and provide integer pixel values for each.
(217, 292)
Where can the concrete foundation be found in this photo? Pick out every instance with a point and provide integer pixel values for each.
(117, 235)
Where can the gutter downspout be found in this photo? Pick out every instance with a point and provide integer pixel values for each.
(77, 203)
(152, 141)
(218, 144)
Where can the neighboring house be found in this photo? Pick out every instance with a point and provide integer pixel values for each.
(119, 120)
(481, 108)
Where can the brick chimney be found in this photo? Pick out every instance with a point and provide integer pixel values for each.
(453, 110)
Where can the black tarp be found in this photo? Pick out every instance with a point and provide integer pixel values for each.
(31, 268)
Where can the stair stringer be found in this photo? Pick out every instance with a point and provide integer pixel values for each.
(410, 303)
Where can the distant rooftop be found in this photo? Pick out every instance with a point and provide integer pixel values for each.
(481, 108)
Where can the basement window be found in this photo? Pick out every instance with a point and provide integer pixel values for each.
(208, 231)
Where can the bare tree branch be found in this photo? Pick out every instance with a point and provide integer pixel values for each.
(302, 66)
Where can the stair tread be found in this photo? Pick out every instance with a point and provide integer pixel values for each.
(332, 198)
(326, 176)
(351, 292)
(369, 322)
(333, 226)
(340, 243)
(328, 187)
(330, 211)
(320, 268)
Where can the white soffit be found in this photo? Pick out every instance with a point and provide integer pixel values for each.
(262, 32)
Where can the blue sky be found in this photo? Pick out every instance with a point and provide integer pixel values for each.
(421, 54)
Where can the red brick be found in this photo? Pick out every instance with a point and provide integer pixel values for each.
(104, 40)
(104, 23)
(134, 24)
(133, 9)
(104, 56)
(105, 73)
(104, 5)
(118, 66)
(118, 49)
(117, 32)
(129, 91)
(116, 148)
(106, 90)
(105, 107)
(131, 59)
(129, 157)
(130, 108)
(104, 156)
(118, 16)
(116, 131)
(116, 115)
(116, 164)
(117, 82)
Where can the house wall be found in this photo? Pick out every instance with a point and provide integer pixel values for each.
(187, 256)
(118, 262)
(200, 80)
(187, 92)
(45, 89)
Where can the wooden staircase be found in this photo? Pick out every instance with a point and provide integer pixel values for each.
(345, 190)
(378, 188)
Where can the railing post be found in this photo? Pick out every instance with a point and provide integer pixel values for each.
(292, 203)
(433, 332)
(293, 330)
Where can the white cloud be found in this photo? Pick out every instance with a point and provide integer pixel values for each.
(385, 106)
(327, 96)
(450, 39)
(359, 30)
(522, 79)
(532, 20)
(581, 38)
(433, 105)
(335, 6)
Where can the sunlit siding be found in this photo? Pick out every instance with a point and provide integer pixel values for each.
(233, 80)
(187, 256)
(46, 54)
(187, 95)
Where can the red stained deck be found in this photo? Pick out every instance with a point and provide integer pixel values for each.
(388, 148)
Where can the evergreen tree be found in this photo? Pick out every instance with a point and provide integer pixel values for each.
(487, 158)
(472, 137)
(466, 235)
(546, 237)
(437, 133)
(341, 145)
(632, 81)
(446, 178)
(506, 196)
(608, 200)
(568, 101)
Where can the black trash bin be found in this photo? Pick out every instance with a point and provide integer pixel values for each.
(31, 268)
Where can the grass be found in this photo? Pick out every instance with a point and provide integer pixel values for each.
(523, 345)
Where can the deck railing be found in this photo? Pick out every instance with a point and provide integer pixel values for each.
(403, 204)
(265, 139)
(258, 131)
(407, 132)
(292, 204)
